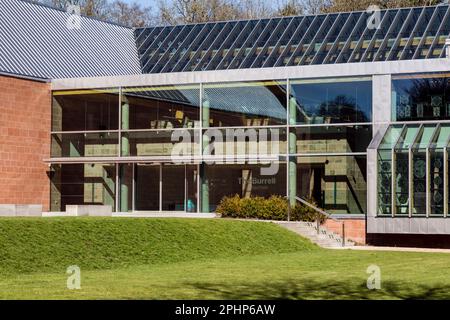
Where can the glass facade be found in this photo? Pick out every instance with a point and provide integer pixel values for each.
(401, 34)
(332, 101)
(413, 170)
(421, 97)
(183, 148)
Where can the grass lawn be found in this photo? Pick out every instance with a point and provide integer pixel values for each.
(199, 259)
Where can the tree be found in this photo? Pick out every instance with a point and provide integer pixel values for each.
(290, 8)
(131, 15)
(194, 11)
(361, 5)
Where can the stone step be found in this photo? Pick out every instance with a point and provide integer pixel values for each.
(323, 238)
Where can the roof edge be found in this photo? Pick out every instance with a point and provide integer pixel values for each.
(24, 77)
(285, 17)
(34, 2)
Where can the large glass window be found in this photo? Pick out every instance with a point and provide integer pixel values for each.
(330, 101)
(244, 180)
(161, 107)
(244, 104)
(332, 139)
(85, 110)
(421, 97)
(92, 144)
(335, 183)
(413, 170)
(77, 184)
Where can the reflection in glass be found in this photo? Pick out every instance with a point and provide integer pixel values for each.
(147, 187)
(78, 184)
(320, 139)
(85, 110)
(419, 170)
(421, 97)
(332, 102)
(99, 144)
(244, 180)
(402, 168)
(384, 169)
(162, 107)
(335, 183)
(161, 142)
(244, 104)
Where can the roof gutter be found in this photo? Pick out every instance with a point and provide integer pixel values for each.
(24, 77)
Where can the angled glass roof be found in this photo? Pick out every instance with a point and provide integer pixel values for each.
(403, 34)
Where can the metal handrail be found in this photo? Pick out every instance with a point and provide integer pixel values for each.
(303, 201)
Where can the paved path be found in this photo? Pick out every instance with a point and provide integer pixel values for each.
(370, 248)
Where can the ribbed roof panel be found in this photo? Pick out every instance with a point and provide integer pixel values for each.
(35, 41)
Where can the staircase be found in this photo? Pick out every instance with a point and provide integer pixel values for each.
(324, 238)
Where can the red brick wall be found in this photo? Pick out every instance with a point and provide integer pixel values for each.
(355, 229)
(25, 117)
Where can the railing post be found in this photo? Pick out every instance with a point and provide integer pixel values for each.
(318, 226)
(343, 233)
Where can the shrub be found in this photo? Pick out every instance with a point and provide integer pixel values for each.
(273, 208)
(230, 206)
(301, 212)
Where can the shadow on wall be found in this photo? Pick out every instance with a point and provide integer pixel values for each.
(312, 289)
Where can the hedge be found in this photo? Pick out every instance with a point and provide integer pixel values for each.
(273, 208)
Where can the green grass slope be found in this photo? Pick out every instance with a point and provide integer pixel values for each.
(29, 245)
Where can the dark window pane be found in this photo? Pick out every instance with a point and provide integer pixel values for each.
(331, 102)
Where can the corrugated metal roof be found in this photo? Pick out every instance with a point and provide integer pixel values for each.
(35, 41)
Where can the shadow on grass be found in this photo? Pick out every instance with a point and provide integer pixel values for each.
(312, 289)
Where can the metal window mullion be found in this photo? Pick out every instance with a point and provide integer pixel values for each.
(222, 46)
(266, 45)
(393, 184)
(204, 45)
(327, 36)
(411, 37)
(151, 45)
(446, 196)
(444, 50)
(116, 198)
(386, 38)
(410, 168)
(375, 35)
(336, 42)
(157, 39)
(428, 182)
(277, 45)
(251, 35)
(147, 41)
(160, 186)
(393, 170)
(290, 43)
(191, 36)
(159, 49)
(297, 31)
(424, 35)
(410, 182)
(399, 36)
(206, 29)
(349, 40)
(302, 40)
(231, 47)
(438, 32)
(179, 36)
(263, 32)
